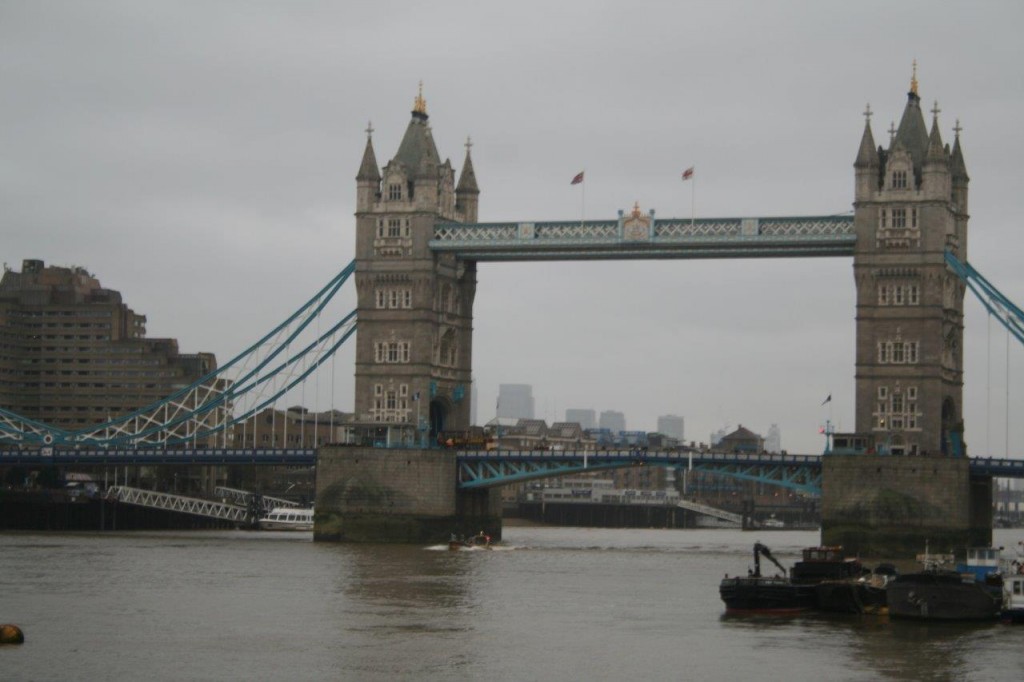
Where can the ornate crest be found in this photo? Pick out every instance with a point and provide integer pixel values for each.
(636, 227)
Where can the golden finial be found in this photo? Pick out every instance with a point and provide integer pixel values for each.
(420, 107)
(913, 79)
(636, 209)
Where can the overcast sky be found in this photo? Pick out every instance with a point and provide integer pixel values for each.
(200, 158)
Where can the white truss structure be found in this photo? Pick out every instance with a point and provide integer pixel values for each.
(244, 498)
(179, 503)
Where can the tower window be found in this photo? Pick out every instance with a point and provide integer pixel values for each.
(394, 191)
(899, 179)
(394, 227)
(899, 218)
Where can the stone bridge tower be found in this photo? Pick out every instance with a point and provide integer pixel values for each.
(910, 207)
(415, 308)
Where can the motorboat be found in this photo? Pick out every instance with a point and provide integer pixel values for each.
(287, 518)
(479, 541)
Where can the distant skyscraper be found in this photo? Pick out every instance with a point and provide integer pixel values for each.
(613, 421)
(587, 419)
(671, 425)
(773, 442)
(515, 401)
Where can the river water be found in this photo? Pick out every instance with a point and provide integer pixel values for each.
(550, 604)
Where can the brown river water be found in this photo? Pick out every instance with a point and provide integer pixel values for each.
(548, 604)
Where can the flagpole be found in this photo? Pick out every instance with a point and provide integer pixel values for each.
(693, 205)
(583, 199)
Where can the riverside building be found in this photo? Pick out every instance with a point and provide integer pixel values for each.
(73, 354)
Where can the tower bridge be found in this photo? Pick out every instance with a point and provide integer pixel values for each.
(417, 243)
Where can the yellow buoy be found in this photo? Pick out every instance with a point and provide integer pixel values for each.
(11, 634)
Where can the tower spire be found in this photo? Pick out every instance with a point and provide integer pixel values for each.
(913, 81)
(419, 107)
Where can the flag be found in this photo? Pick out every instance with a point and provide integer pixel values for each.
(827, 400)
(688, 173)
(578, 179)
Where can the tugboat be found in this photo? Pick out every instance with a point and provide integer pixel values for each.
(941, 594)
(755, 593)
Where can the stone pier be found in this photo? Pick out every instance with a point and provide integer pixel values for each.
(366, 494)
(887, 507)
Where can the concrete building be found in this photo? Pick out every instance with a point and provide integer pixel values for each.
(515, 401)
(613, 421)
(671, 425)
(73, 354)
(587, 419)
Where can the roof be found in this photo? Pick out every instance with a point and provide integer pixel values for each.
(467, 181)
(417, 152)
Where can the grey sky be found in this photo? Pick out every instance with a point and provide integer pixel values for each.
(200, 158)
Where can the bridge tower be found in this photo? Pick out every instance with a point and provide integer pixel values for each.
(415, 308)
(910, 206)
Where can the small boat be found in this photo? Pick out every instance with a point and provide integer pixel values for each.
(479, 541)
(1013, 592)
(941, 594)
(755, 593)
(287, 518)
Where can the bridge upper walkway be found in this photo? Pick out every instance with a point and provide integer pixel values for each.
(646, 237)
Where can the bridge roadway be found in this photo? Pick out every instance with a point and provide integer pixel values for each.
(490, 468)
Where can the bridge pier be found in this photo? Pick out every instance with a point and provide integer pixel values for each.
(888, 507)
(382, 495)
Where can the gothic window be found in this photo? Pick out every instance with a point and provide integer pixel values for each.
(914, 294)
(405, 228)
(394, 227)
(911, 351)
(897, 353)
(899, 179)
(380, 228)
(394, 191)
(397, 297)
(897, 297)
(883, 294)
(883, 392)
(392, 352)
(913, 218)
(883, 352)
(883, 218)
(899, 218)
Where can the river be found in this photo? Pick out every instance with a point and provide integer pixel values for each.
(549, 604)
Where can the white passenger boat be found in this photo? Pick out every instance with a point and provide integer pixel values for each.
(287, 518)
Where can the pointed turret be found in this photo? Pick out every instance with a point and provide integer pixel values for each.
(958, 171)
(868, 163)
(935, 172)
(368, 169)
(368, 178)
(936, 152)
(867, 155)
(467, 193)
